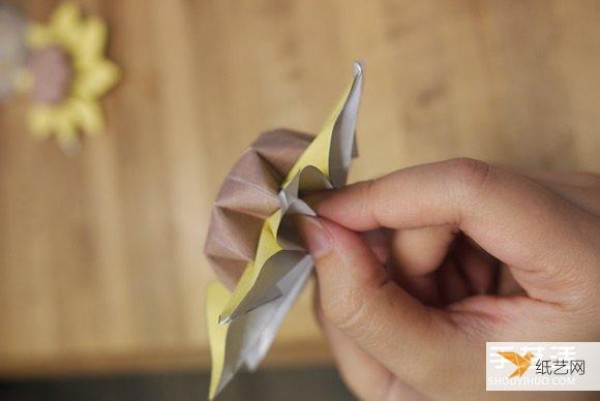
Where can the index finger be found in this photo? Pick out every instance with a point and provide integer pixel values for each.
(548, 241)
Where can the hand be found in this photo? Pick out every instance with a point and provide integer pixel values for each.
(408, 307)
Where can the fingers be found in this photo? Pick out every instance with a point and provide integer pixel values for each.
(358, 298)
(480, 269)
(361, 372)
(364, 375)
(453, 284)
(586, 197)
(379, 242)
(579, 179)
(439, 265)
(507, 285)
(420, 251)
(550, 243)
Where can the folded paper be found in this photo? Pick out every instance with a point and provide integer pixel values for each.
(248, 196)
(252, 240)
(69, 74)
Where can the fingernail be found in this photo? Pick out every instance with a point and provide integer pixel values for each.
(314, 235)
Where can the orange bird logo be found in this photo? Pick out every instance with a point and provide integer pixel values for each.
(521, 362)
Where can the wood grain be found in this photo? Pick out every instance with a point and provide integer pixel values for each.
(101, 264)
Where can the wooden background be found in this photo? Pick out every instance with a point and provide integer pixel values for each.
(101, 264)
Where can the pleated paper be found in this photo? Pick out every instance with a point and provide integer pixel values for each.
(252, 242)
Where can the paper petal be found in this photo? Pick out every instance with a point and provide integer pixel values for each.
(274, 278)
(90, 47)
(246, 340)
(281, 148)
(330, 152)
(89, 115)
(250, 194)
(65, 24)
(95, 80)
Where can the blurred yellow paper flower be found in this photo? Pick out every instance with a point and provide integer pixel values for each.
(69, 75)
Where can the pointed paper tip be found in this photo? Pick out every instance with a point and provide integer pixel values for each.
(225, 319)
(215, 392)
(358, 69)
(220, 386)
(358, 76)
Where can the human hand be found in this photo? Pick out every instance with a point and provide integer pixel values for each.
(462, 253)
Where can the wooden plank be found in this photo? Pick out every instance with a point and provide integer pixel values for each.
(101, 263)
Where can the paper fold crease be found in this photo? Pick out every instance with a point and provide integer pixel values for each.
(252, 243)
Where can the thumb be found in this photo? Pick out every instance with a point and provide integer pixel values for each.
(359, 299)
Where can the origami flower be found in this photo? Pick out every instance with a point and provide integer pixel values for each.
(69, 75)
(248, 196)
(253, 241)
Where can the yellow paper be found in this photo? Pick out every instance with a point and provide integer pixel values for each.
(217, 333)
(84, 40)
(317, 157)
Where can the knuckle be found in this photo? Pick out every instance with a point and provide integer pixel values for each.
(470, 174)
(356, 314)
(365, 212)
(345, 312)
